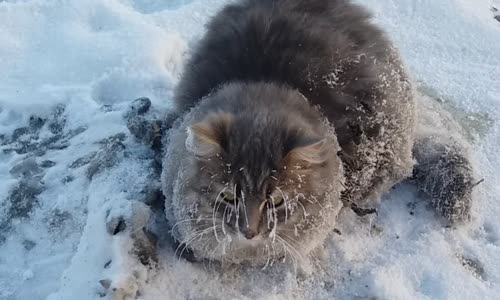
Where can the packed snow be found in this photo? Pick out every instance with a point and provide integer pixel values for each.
(70, 170)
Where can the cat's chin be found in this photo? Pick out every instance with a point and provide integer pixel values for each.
(239, 241)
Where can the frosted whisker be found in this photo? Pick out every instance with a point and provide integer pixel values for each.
(215, 209)
(286, 203)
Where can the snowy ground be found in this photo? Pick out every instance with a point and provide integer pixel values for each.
(69, 70)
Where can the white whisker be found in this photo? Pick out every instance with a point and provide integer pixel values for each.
(286, 203)
(215, 209)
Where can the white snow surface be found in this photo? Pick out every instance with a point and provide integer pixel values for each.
(94, 57)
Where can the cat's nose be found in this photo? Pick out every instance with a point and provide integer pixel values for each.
(249, 233)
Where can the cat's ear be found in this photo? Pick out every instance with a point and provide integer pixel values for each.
(206, 138)
(314, 153)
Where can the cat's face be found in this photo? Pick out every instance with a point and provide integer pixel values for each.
(258, 182)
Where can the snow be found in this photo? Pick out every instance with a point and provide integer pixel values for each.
(94, 57)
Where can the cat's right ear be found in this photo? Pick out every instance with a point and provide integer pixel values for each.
(206, 138)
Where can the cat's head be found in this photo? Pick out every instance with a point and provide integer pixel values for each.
(262, 176)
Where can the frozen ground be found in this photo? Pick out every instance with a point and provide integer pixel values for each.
(69, 71)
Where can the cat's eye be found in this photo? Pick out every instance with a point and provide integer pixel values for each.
(276, 201)
(228, 197)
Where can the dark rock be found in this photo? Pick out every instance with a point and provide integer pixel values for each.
(59, 146)
(68, 179)
(107, 157)
(26, 147)
(74, 132)
(474, 266)
(140, 106)
(145, 243)
(28, 245)
(36, 123)
(152, 197)
(8, 151)
(148, 132)
(116, 138)
(56, 126)
(84, 160)
(27, 168)
(23, 198)
(497, 17)
(105, 283)
(107, 264)
(107, 108)
(40, 152)
(58, 218)
(47, 164)
(51, 140)
(19, 132)
(58, 121)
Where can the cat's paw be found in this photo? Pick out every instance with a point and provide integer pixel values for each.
(133, 252)
(444, 173)
(122, 289)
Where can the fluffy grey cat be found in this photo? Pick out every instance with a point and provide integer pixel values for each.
(288, 111)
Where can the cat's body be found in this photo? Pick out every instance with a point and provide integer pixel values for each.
(328, 51)
(303, 101)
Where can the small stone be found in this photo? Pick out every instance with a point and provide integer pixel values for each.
(116, 225)
(105, 283)
(28, 274)
(474, 266)
(28, 245)
(107, 264)
(47, 164)
(107, 108)
(497, 17)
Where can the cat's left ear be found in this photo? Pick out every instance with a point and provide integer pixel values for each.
(313, 154)
(206, 138)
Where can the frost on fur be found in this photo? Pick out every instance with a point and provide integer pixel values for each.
(444, 172)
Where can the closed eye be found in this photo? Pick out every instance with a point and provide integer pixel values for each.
(228, 197)
(276, 201)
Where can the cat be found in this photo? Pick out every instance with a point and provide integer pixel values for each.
(288, 110)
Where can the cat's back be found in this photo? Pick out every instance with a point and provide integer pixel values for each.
(296, 42)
